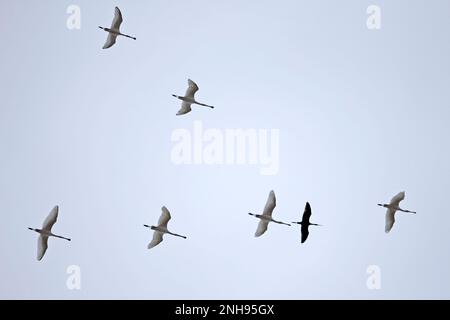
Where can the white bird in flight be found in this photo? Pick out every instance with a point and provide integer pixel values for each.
(114, 31)
(266, 217)
(189, 99)
(46, 232)
(392, 208)
(161, 229)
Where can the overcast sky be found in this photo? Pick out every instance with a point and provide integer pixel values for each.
(362, 114)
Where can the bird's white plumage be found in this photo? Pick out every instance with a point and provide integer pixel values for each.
(157, 239)
(262, 227)
(268, 209)
(162, 228)
(191, 90)
(270, 204)
(189, 99)
(185, 108)
(164, 218)
(390, 220)
(51, 219)
(390, 213)
(46, 231)
(115, 27)
(110, 41)
(117, 21)
(395, 201)
(42, 246)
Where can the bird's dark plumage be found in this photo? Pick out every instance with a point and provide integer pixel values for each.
(305, 232)
(305, 222)
(306, 214)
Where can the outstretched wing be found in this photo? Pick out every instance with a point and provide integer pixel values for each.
(51, 219)
(192, 89)
(164, 218)
(110, 41)
(185, 108)
(306, 214)
(305, 232)
(42, 246)
(390, 219)
(395, 201)
(117, 21)
(270, 204)
(262, 227)
(157, 239)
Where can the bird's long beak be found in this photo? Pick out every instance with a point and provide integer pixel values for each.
(30, 228)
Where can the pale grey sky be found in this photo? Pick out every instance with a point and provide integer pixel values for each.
(362, 115)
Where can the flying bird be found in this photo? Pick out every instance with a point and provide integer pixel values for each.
(392, 208)
(114, 31)
(161, 229)
(189, 99)
(266, 217)
(46, 232)
(305, 222)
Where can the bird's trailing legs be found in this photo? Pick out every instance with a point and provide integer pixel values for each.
(48, 234)
(168, 232)
(125, 35)
(61, 237)
(191, 101)
(279, 222)
(311, 224)
(399, 209)
(204, 105)
(117, 33)
(177, 235)
(407, 211)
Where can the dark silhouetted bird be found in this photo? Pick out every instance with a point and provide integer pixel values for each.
(305, 222)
